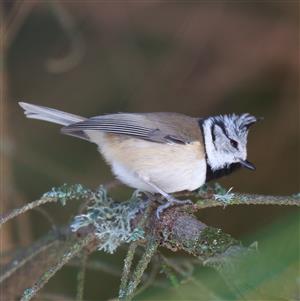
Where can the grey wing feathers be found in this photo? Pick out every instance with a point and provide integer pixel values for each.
(156, 127)
(135, 125)
(55, 116)
(49, 114)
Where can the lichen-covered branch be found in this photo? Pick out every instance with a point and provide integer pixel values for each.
(250, 199)
(61, 194)
(127, 293)
(106, 224)
(126, 286)
(216, 195)
(178, 230)
(127, 268)
(81, 277)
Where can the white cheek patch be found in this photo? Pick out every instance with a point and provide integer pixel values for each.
(218, 159)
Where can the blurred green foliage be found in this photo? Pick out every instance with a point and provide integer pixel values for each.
(272, 274)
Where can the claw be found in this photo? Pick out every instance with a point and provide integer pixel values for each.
(171, 203)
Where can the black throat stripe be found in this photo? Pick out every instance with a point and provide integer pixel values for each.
(210, 174)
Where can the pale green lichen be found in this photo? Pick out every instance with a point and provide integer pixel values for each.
(224, 197)
(67, 192)
(111, 220)
(296, 195)
(211, 242)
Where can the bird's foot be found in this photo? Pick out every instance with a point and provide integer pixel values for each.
(171, 202)
(155, 197)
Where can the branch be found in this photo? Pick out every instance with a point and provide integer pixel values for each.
(250, 199)
(126, 288)
(215, 195)
(108, 224)
(128, 293)
(81, 277)
(178, 230)
(61, 194)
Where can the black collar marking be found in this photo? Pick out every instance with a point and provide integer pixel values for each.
(225, 171)
(210, 174)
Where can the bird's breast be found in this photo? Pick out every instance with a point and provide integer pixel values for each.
(172, 167)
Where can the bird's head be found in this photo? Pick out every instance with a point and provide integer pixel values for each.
(226, 140)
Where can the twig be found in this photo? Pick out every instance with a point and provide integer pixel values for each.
(149, 280)
(61, 194)
(71, 252)
(6, 217)
(127, 267)
(151, 248)
(250, 199)
(130, 255)
(81, 277)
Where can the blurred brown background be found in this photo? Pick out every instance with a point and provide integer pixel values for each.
(97, 57)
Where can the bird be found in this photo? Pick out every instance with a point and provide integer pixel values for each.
(160, 152)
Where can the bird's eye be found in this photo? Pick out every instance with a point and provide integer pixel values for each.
(233, 143)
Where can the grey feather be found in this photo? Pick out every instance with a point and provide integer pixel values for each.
(54, 116)
(48, 114)
(156, 127)
(142, 126)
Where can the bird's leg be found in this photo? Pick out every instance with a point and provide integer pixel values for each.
(171, 201)
(155, 197)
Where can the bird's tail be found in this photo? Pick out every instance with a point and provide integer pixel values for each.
(48, 114)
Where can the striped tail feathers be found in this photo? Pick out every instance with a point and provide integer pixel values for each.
(48, 114)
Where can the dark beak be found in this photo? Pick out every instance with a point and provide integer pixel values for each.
(247, 164)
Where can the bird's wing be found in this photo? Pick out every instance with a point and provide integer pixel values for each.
(155, 127)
